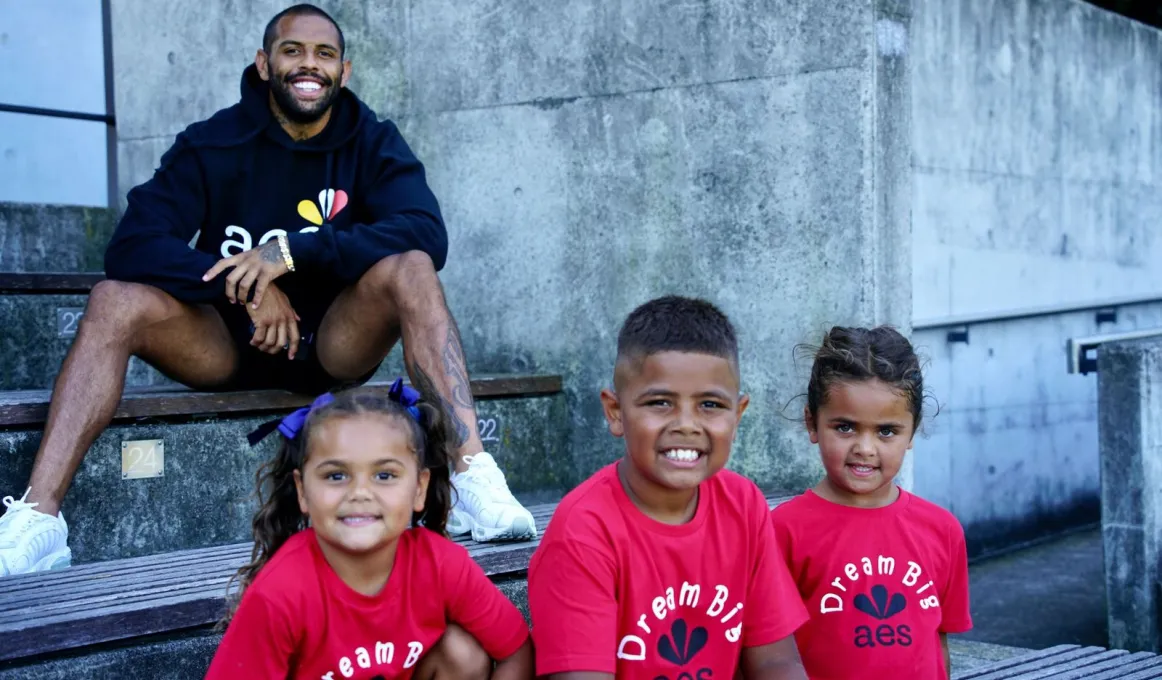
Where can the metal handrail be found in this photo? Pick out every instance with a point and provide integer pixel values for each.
(57, 113)
(1033, 312)
(1078, 349)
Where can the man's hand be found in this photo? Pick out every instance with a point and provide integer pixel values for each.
(276, 325)
(259, 266)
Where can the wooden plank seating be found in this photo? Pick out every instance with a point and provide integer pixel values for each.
(1071, 662)
(120, 599)
(21, 408)
(48, 283)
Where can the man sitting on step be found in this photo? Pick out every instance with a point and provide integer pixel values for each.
(318, 246)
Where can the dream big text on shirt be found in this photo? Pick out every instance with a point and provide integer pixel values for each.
(880, 584)
(612, 590)
(299, 620)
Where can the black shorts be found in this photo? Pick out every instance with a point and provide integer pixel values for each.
(259, 370)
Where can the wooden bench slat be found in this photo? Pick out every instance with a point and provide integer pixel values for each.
(1134, 672)
(1003, 664)
(30, 407)
(1086, 665)
(210, 585)
(102, 570)
(1074, 658)
(66, 632)
(49, 283)
(120, 599)
(1127, 666)
(157, 576)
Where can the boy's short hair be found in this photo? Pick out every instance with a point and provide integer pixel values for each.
(677, 324)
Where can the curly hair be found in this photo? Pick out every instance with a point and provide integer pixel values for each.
(279, 516)
(857, 354)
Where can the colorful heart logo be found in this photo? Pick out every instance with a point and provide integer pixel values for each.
(331, 202)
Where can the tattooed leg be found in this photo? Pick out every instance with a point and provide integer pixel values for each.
(457, 377)
(401, 296)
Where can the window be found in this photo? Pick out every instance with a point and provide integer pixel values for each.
(57, 140)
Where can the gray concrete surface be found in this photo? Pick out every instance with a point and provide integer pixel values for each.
(1130, 412)
(53, 238)
(36, 332)
(206, 494)
(591, 155)
(1037, 181)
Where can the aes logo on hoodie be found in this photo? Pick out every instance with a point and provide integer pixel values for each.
(331, 203)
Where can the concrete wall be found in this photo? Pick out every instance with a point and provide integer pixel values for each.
(590, 155)
(1130, 412)
(1038, 181)
(53, 238)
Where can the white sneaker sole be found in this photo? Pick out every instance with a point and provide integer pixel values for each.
(62, 559)
(460, 523)
(57, 560)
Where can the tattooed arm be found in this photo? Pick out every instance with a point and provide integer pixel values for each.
(256, 267)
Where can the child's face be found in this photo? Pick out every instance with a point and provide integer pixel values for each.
(678, 412)
(863, 430)
(361, 482)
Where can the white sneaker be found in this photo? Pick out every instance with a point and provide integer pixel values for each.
(485, 507)
(31, 540)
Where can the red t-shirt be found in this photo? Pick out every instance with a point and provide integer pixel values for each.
(298, 619)
(881, 585)
(614, 591)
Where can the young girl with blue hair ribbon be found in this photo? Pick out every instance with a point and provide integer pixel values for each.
(352, 575)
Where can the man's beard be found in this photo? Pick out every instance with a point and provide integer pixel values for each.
(295, 110)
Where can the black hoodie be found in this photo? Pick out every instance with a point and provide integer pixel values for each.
(346, 198)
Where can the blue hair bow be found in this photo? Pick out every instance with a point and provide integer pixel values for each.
(407, 397)
(291, 425)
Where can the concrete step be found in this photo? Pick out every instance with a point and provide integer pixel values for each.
(174, 471)
(44, 238)
(38, 321)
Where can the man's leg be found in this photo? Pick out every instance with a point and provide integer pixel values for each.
(189, 344)
(402, 295)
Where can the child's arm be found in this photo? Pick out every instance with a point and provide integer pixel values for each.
(259, 642)
(947, 654)
(955, 603)
(774, 608)
(518, 666)
(475, 603)
(776, 661)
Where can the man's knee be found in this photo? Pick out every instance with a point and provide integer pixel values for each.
(404, 276)
(462, 656)
(120, 305)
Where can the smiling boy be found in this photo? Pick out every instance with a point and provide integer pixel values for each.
(663, 564)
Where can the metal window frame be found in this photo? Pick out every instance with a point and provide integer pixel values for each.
(108, 118)
(1105, 311)
(110, 104)
(1079, 349)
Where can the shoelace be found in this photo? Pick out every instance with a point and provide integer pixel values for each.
(15, 505)
(486, 473)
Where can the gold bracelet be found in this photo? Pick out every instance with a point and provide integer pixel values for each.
(286, 256)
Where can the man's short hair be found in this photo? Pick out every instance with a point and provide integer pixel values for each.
(300, 10)
(677, 324)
